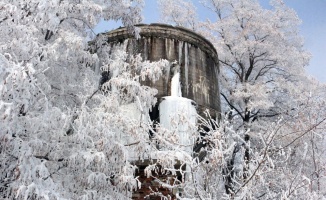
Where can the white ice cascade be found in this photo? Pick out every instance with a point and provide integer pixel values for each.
(175, 83)
(179, 114)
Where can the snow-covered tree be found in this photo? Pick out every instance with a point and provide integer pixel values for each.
(260, 52)
(287, 157)
(181, 13)
(62, 130)
(271, 111)
(64, 133)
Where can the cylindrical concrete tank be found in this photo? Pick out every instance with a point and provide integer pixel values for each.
(196, 57)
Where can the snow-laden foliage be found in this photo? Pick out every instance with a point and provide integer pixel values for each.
(182, 14)
(62, 131)
(77, 152)
(79, 149)
(260, 52)
(74, 118)
(272, 134)
(287, 158)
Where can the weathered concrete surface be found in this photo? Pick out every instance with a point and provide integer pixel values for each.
(197, 61)
(196, 56)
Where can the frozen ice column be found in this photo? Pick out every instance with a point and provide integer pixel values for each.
(175, 82)
(179, 114)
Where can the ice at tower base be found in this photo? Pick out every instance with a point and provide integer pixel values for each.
(189, 85)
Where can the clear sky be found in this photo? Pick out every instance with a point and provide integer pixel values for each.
(313, 28)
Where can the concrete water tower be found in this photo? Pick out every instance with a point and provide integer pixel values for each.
(190, 84)
(195, 57)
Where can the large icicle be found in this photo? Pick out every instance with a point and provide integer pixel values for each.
(180, 52)
(186, 68)
(175, 85)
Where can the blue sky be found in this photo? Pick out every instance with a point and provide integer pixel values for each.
(313, 28)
